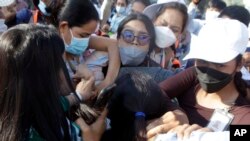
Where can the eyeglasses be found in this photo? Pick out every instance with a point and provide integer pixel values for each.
(129, 36)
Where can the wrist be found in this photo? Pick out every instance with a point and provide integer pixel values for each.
(77, 96)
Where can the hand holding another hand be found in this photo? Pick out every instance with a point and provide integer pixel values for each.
(165, 123)
(94, 131)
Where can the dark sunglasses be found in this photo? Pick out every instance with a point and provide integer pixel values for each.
(129, 37)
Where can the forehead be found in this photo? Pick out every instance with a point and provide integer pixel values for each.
(121, 1)
(136, 26)
(246, 55)
(138, 4)
(88, 28)
(172, 16)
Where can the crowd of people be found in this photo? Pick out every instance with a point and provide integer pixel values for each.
(61, 62)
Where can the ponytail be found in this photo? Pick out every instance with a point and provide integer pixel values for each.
(140, 127)
(240, 84)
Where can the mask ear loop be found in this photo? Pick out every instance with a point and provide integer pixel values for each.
(64, 40)
(71, 34)
(177, 42)
(163, 58)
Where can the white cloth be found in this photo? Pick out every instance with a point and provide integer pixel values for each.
(192, 10)
(196, 136)
(95, 62)
(245, 73)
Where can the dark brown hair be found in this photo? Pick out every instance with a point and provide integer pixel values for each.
(135, 93)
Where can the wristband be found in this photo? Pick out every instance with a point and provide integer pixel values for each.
(79, 96)
(76, 96)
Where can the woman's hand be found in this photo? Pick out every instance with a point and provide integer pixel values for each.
(86, 85)
(94, 131)
(82, 72)
(85, 89)
(102, 85)
(183, 131)
(167, 122)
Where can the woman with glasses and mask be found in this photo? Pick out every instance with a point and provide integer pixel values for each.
(136, 36)
(136, 40)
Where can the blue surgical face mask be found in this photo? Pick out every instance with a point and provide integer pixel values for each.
(42, 6)
(132, 56)
(77, 45)
(120, 9)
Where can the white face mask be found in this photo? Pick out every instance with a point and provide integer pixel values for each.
(132, 56)
(210, 15)
(120, 10)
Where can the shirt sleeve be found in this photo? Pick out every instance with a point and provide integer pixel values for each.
(180, 83)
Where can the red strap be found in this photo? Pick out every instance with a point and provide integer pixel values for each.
(35, 16)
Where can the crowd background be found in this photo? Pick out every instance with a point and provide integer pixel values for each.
(123, 69)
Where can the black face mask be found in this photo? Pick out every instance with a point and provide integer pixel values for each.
(212, 80)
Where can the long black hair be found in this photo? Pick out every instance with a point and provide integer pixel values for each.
(240, 84)
(136, 99)
(31, 72)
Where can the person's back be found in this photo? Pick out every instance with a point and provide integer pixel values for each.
(136, 99)
(31, 65)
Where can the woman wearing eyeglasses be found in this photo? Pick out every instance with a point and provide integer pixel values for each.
(136, 40)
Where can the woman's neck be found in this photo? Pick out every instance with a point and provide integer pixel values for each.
(69, 57)
(224, 98)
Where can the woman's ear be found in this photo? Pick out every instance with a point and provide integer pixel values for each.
(63, 27)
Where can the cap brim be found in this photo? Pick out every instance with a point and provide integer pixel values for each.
(151, 10)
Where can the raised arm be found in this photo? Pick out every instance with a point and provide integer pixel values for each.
(109, 45)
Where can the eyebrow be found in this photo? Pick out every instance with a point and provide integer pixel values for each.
(137, 31)
(165, 23)
(84, 34)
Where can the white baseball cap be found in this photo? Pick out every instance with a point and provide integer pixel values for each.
(164, 36)
(152, 9)
(6, 2)
(219, 41)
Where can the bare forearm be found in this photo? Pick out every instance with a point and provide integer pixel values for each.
(114, 64)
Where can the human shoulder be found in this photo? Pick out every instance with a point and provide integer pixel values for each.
(241, 114)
